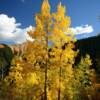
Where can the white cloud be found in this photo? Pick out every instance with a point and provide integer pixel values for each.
(10, 31)
(82, 29)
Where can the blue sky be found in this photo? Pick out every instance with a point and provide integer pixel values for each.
(84, 15)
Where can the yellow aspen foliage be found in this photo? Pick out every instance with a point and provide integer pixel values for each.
(31, 79)
(45, 9)
(15, 75)
(61, 30)
(21, 81)
(45, 71)
(62, 53)
(83, 70)
(55, 28)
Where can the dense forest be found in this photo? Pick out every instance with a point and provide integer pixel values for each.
(85, 46)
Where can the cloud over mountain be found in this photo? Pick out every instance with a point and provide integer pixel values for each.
(82, 29)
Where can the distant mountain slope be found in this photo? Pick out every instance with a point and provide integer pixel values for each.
(86, 46)
(91, 46)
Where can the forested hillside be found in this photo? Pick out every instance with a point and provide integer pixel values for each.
(92, 47)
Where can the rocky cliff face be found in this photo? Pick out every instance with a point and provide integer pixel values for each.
(18, 49)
